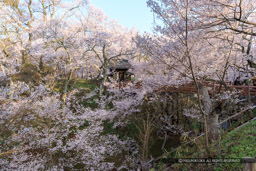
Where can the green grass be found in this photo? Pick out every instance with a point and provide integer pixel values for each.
(129, 130)
(236, 144)
(84, 88)
(86, 85)
(91, 102)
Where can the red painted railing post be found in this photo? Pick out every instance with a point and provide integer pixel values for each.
(245, 92)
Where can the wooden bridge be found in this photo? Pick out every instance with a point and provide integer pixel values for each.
(213, 88)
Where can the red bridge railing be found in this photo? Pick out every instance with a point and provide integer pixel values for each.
(213, 88)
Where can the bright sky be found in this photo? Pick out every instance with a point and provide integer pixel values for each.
(129, 13)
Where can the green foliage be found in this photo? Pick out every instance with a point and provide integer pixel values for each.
(85, 86)
(235, 144)
(86, 124)
(196, 124)
(129, 130)
(74, 129)
(17, 123)
(47, 70)
(4, 82)
(91, 102)
(238, 144)
(79, 166)
(161, 166)
(5, 134)
(109, 106)
(82, 83)
(254, 112)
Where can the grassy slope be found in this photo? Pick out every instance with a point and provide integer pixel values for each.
(88, 85)
(235, 144)
(84, 86)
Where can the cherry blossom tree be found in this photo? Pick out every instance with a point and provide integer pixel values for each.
(191, 48)
(45, 132)
(45, 136)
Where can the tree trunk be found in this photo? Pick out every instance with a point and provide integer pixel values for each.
(25, 57)
(212, 117)
(213, 127)
(103, 81)
(66, 87)
(12, 90)
(104, 75)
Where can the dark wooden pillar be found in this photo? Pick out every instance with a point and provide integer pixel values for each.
(249, 164)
